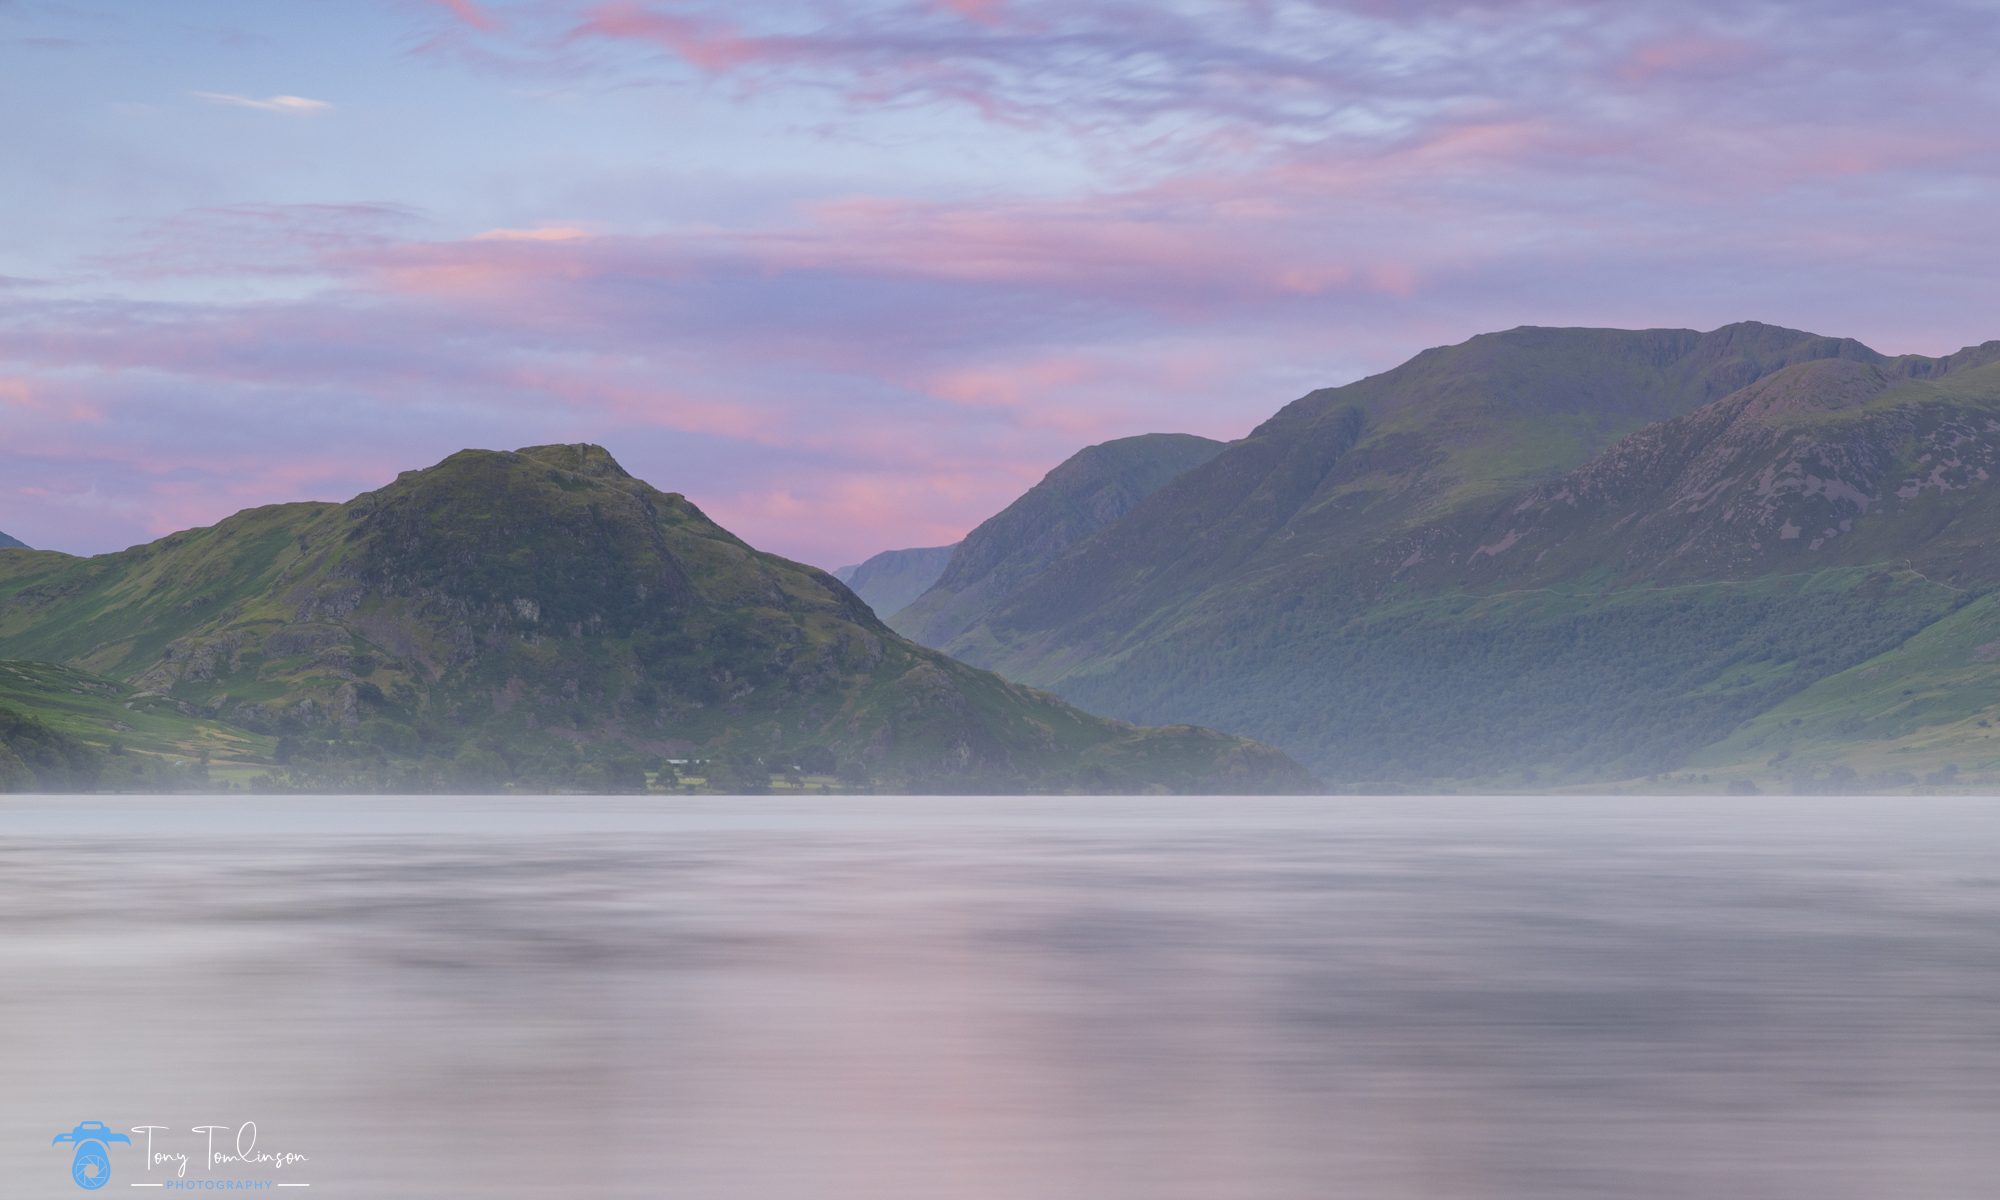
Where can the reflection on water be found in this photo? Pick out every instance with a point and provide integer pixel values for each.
(1019, 999)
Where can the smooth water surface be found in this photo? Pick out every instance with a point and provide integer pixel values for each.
(1028, 999)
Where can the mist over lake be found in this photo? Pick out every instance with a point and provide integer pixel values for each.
(996, 998)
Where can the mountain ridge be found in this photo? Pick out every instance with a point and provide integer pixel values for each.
(1450, 519)
(1341, 466)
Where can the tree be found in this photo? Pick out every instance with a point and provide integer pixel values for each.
(742, 774)
(626, 775)
(476, 768)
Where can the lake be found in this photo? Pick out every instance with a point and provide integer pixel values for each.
(1010, 999)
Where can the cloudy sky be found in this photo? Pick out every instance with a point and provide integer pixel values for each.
(853, 273)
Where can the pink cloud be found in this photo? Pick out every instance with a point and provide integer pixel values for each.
(86, 487)
(48, 400)
(486, 268)
(982, 12)
(1067, 243)
(1694, 54)
(543, 233)
(1016, 385)
(1092, 396)
(1179, 249)
(711, 46)
(920, 508)
(648, 405)
(473, 14)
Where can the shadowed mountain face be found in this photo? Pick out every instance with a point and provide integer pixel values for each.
(523, 615)
(893, 578)
(1091, 489)
(10, 543)
(35, 756)
(1552, 554)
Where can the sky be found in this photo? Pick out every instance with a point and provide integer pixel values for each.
(853, 274)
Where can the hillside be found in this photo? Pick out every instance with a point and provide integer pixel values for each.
(1341, 469)
(36, 757)
(11, 543)
(532, 618)
(1088, 491)
(893, 578)
(114, 736)
(1921, 713)
(1418, 580)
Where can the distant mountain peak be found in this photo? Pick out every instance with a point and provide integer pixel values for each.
(12, 543)
(893, 578)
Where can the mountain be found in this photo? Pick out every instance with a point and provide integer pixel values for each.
(1343, 467)
(1546, 556)
(1088, 491)
(541, 618)
(893, 578)
(11, 543)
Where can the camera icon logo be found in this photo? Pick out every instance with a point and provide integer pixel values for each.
(91, 1168)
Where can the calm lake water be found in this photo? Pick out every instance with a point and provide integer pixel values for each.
(1012, 999)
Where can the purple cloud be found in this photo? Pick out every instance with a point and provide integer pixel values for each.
(1078, 220)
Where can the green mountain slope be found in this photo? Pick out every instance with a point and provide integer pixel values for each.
(525, 617)
(893, 578)
(1420, 579)
(1341, 469)
(1822, 464)
(1925, 712)
(11, 543)
(114, 736)
(1088, 491)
